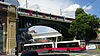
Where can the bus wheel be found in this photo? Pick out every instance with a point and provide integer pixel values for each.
(68, 50)
(50, 51)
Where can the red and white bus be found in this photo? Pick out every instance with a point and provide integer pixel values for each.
(68, 46)
(40, 47)
(75, 45)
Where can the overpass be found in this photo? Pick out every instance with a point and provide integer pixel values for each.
(28, 18)
(11, 20)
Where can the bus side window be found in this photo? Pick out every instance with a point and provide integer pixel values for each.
(47, 46)
(35, 47)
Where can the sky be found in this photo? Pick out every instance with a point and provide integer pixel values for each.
(67, 7)
(51, 6)
(42, 29)
(93, 7)
(60, 7)
(14, 2)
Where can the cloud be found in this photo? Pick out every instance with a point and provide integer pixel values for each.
(72, 7)
(47, 6)
(51, 6)
(87, 7)
(70, 11)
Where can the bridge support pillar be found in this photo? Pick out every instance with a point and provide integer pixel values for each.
(9, 30)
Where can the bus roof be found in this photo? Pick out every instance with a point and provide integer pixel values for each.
(69, 41)
(38, 44)
(46, 35)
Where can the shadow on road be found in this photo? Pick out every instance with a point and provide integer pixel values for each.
(34, 53)
(55, 55)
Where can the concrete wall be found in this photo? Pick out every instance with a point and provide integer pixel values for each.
(11, 29)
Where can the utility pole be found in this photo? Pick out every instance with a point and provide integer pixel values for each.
(26, 4)
(60, 11)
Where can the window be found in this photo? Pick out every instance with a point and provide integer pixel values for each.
(61, 45)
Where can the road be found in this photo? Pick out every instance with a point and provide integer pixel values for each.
(86, 53)
(71, 54)
(93, 52)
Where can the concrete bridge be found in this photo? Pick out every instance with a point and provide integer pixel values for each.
(12, 19)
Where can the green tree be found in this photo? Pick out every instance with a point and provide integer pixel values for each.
(84, 26)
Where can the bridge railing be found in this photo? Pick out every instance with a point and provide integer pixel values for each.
(42, 15)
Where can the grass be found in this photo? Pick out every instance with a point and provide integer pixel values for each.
(95, 49)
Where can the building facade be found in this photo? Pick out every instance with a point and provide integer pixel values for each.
(7, 27)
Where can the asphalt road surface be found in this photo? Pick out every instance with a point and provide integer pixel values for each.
(86, 53)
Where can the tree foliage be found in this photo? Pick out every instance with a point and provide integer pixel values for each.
(84, 26)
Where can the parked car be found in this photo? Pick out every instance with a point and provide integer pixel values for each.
(29, 53)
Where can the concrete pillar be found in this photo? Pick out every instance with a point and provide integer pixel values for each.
(11, 29)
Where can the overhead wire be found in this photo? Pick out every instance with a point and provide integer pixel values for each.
(94, 11)
(85, 3)
(91, 2)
